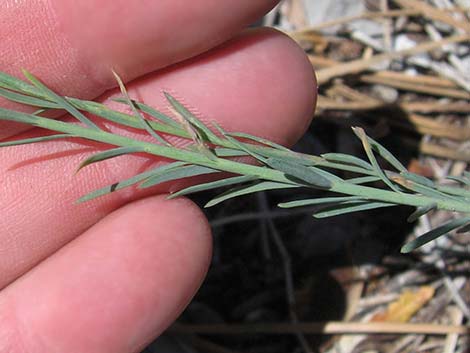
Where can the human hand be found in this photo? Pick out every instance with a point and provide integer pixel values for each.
(110, 274)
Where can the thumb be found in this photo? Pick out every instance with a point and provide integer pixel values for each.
(115, 287)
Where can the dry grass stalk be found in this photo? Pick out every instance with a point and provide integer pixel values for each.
(418, 87)
(424, 79)
(324, 328)
(363, 16)
(327, 103)
(359, 65)
(434, 13)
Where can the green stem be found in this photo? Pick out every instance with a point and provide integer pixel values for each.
(231, 166)
(169, 152)
(399, 198)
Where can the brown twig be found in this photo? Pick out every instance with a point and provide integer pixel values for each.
(356, 66)
(323, 328)
(434, 13)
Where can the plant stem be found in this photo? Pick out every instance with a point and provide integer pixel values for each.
(338, 186)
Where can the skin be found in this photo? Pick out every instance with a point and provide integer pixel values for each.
(111, 274)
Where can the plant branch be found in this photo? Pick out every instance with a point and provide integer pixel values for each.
(209, 151)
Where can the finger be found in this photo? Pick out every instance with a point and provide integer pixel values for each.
(74, 45)
(114, 288)
(260, 83)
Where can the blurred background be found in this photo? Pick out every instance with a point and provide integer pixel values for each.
(282, 281)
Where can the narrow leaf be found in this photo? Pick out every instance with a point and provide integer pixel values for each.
(434, 234)
(60, 101)
(363, 180)
(460, 179)
(41, 111)
(342, 166)
(229, 152)
(419, 179)
(456, 191)
(260, 140)
(309, 175)
(15, 84)
(198, 132)
(319, 201)
(34, 140)
(24, 99)
(181, 172)
(346, 158)
(370, 154)
(427, 191)
(117, 117)
(189, 117)
(249, 189)
(115, 152)
(150, 111)
(420, 211)
(386, 154)
(349, 207)
(242, 146)
(128, 182)
(11, 115)
(145, 124)
(213, 185)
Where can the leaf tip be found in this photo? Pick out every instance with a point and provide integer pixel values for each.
(169, 97)
(210, 204)
(25, 72)
(407, 248)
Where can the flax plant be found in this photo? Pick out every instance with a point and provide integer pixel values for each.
(211, 151)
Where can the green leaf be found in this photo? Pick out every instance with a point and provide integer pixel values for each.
(34, 140)
(419, 179)
(370, 154)
(24, 99)
(342, 166)
(319, 201)
(456, 191)
(434, 234)
(242, 146)
(150, 111)
(15, 84)
(115, 152)
(430, 192)
(349, 207)
(363, 180)
(213, 185)
(60, 101)
(460, 179)
(229, 152)
(310, 175)
(386, 154)
(346, 158)
(40, 111)
(176, 173)
(124, 119)
(128, 182)
(201, 129)
(198, 132)
(260, 140)
(420, 211)
(145, 124)
(11, 115)
(248, 189)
